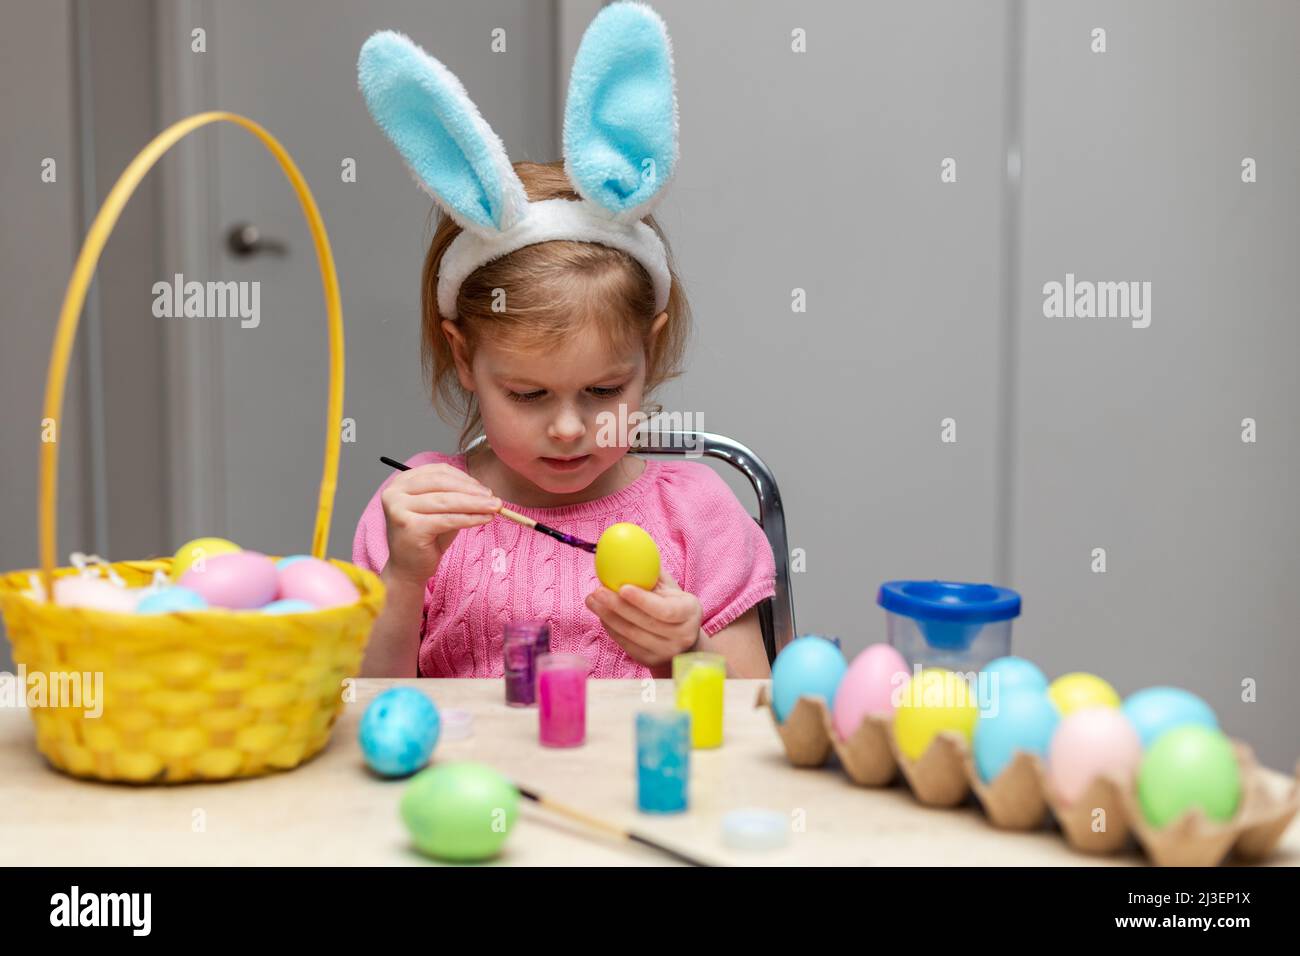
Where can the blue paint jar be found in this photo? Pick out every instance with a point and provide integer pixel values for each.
(663, 760)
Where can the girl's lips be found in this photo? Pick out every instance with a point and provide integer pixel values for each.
(570, 465)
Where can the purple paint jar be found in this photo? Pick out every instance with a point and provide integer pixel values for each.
(522, 642)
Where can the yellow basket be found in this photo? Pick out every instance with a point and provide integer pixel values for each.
(205, 695)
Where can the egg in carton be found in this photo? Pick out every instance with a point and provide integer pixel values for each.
(809, 737)
(1014, 799)
(943, 776)
(1101, 821)
(870, 755)
(1098, 822)
(1104, 817)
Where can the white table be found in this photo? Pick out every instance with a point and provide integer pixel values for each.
(332, 811)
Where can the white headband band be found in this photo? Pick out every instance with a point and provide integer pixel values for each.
(620, 147)
(544, 221)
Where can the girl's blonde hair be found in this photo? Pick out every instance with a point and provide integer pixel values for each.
(551, 290)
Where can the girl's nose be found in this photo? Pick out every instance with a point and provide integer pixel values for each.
(567, 427)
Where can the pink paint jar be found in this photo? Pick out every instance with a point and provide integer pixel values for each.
(562, 699)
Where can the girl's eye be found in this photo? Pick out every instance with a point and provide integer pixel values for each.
(525, 397)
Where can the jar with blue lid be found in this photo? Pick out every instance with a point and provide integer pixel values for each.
(948, 623)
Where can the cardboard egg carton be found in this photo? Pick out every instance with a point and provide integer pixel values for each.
(1020, 798)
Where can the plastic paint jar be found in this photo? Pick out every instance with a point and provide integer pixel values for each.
(562, 699)
(948, 624)
(700, 678)
(522, 642)
(663, 760)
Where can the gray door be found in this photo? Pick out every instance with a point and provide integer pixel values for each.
(291, 66)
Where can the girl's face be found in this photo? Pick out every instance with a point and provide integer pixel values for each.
(553, 419)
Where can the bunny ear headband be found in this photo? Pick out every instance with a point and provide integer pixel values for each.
(620, 147)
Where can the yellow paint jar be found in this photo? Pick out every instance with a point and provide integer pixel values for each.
(699, 678)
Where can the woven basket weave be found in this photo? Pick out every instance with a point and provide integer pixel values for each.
(211, 694)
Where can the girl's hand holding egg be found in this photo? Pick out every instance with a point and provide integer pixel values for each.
(653, 626)
(640, 604)
(424, 507)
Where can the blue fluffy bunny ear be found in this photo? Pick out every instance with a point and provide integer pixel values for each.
(449, 147)
(620, 120)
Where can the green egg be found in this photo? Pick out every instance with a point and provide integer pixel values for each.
(1189, 767)
(460, 812)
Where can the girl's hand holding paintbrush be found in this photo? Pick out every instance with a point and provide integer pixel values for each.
(500, 509)
(424, 507)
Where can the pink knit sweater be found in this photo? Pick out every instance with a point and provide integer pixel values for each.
(501, 571)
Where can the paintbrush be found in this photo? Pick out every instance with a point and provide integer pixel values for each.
(604, 827)
(516, 517)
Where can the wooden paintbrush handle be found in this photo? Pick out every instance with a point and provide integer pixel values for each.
(597, 824)
(581, 817)
(517, 518)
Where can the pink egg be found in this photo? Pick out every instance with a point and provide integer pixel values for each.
(317, 582)
(240, 580)
(1090, 742)
(868, 687)
(99, 594)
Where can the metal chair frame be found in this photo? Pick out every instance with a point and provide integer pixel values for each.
(776, 614)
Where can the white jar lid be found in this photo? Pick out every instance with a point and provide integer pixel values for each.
(456, 724)
(755, 830)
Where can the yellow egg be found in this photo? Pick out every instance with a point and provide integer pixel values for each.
(199, 548)
(625, 554)
(938, 700)
(1078, 691)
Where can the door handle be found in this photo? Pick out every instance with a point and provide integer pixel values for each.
(244, 240)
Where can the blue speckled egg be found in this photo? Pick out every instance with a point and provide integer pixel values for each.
(1011, 673)
(171, 599)
(1016, 720)
(399, 731)
(290, 559)
(1153, 710)
(809, 666)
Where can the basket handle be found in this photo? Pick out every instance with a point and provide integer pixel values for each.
(75, 297)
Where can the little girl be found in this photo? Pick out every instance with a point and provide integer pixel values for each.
(548, 302)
